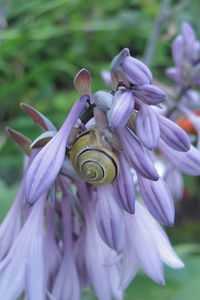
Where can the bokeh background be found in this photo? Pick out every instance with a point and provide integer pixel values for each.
(43, 44)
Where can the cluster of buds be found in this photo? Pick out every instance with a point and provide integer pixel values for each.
(81, 182)
(186, 56)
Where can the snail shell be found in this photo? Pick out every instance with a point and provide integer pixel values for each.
(93, 162)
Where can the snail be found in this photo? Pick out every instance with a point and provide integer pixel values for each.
(93, 162)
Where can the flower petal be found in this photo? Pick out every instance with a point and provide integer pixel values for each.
(147, 128)
(158, 199)
(144, 245)
(124, 186)
(173, 135)
(123, 105)
(187, 162)
(109, 218)
(47, 164)
(139, 159)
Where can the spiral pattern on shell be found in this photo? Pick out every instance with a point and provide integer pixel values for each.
(94, 163)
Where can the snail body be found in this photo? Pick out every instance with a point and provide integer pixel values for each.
(93, 162)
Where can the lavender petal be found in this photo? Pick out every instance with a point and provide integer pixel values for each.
(139, 159)
(136, 71)
(144, 245)
(158, 199)
(47, 164)
(147, 127)
(123, 105)
(124, 186)
(149, 94)
(173, 135)
(109, 218)
(187, 162)
(178, 50)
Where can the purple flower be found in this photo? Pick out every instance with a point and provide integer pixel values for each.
(178, 50)
(149, 250)
(51, 251)
(109, 218)
(186, 53)
(187, 162)
(49, 160)
(79, 234)
(66, 285)
(124, 186)
(129, 70)
(135, 153)
(157, 199)
(123, 106)
(25, 260)
(173, 135)
(149, 94)
(136, 72)
(147, 127)
(95, 260)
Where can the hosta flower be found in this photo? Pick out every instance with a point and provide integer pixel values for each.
(186, 54)
(83, 225)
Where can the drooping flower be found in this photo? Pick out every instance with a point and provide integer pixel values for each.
(80, 231)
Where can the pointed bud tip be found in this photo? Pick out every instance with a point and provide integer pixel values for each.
(82, 82)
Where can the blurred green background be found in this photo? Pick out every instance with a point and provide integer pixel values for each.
(43, 44)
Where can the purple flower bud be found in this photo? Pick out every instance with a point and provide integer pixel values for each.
(47, 164)
(124, 186)
(147, 127)
(173, 135)
(189, 38)
(174, 74)
(149, 94)
(136, 71)
(191, 98)
(129, 70)
(158, 199)
(139, 159)
(109, 218)
(178, 50)
(187, 162)
(123, 106)
(117, 73)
